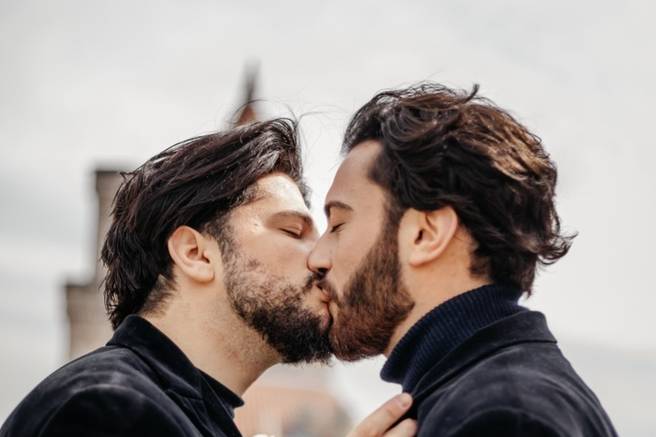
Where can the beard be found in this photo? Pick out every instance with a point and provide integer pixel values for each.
(273, 307)
(374, 301)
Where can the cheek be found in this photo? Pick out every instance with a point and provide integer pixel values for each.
(350, 252)
(405, 242)
(270, 245)
(284, 256)
(345, 262)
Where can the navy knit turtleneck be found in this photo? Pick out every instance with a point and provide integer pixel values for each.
(444, 328)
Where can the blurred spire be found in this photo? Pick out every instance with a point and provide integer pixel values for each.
(246, 110)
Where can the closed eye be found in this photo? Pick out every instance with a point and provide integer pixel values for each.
(336, 228)
(292, 233)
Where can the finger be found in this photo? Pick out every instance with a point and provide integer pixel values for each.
(407, 428)
(385, 416)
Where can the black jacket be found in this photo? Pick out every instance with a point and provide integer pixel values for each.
(139, 384)
(508, 379)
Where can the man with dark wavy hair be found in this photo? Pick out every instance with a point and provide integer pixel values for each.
(439, 217)
(207, 286)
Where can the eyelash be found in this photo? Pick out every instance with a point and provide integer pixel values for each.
(291, 233)
(336, 228)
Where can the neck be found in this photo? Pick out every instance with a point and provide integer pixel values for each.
(428, 294)
(216, 341)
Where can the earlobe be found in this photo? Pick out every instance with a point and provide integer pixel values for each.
(435, 231)
(188, 249)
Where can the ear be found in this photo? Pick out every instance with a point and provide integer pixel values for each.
(190, 251)
(433, 231)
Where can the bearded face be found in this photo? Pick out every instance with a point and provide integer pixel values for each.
(273, 306)
(358, 258)
(373, 303)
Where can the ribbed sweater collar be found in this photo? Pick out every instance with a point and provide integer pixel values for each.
(444, 328)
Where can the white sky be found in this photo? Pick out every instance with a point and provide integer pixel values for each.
(84, 83)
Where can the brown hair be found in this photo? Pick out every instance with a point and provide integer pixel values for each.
(195, 183)
(451, 147)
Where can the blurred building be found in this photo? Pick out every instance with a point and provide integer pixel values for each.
(89, 327)
(285, 402)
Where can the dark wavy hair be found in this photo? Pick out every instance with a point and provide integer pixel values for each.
(442, 147)
(196, 182)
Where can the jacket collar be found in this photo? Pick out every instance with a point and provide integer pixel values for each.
(445, 328)
(523, 327)
(191, 388)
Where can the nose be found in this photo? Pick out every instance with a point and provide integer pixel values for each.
(319, 260)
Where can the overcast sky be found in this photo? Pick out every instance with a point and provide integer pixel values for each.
(89, 83)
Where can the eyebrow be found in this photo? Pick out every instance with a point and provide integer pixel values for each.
(307, 219)
(335, 204)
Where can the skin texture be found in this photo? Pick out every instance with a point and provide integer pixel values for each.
(376, 271)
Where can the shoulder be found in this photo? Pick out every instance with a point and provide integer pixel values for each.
(496, 422)
(110, 409)
(494, 399)
(99, 388)
(528, 387)
(104, 369)
(520, 372)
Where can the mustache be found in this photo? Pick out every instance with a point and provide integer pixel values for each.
(310, 281)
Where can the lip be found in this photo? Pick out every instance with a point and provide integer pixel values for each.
(326, 312)
(326, 320)
(323, 295)
(332, 307)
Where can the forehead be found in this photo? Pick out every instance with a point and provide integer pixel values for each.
(277, 191)
(352, 184)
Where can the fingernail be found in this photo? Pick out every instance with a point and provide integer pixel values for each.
(404, 400)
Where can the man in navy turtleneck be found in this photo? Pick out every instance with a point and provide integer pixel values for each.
(439, 217)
